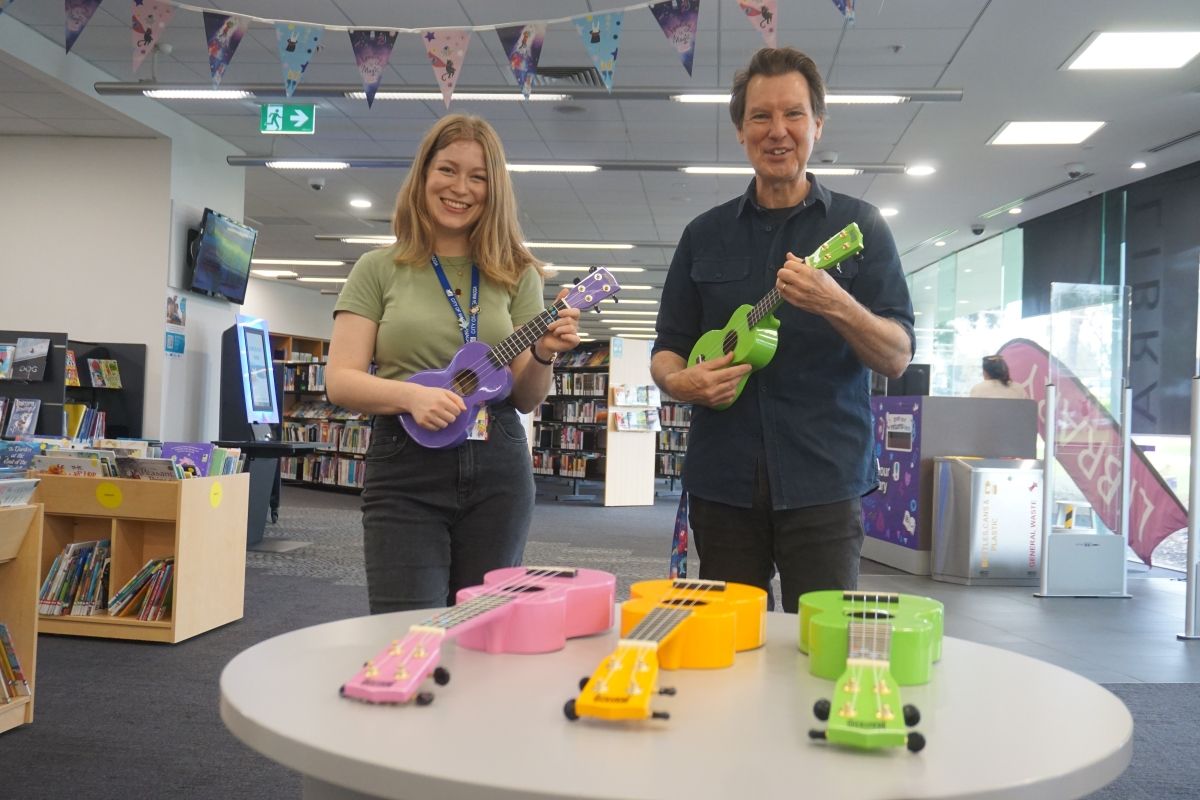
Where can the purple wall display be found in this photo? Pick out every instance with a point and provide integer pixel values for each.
(891, 514)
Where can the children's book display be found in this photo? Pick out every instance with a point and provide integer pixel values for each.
(78, 582)
(515, 610)
(121, 458)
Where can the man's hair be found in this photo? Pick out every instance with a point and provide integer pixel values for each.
(996, 368)
(772, 61)
(497, 244)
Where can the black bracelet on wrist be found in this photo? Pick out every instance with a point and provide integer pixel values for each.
(548, 362)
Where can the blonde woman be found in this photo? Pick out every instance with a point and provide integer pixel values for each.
(435, 520)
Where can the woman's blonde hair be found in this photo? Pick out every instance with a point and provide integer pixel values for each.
(497, 244)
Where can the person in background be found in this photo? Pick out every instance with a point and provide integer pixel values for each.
(996, 381)
(435, 520)
(775, 480)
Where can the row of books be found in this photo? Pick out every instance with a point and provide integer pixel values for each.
(347, 437)
(316, 409)
(588, 384)
(120, 458)
(82, 422)
(77, 583)
(324, 469)
(24, 361)
(584, 358)
(593, 411)
(675, 441)
(304, 378)
(22, 416)
(103, 373)
(147, 595)
(670, 465)
(675, 415)
(13, 683)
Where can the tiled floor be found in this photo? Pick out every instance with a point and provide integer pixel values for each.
(1107, 640)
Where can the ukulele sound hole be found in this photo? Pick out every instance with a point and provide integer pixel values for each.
(466, 382)
(870, 614)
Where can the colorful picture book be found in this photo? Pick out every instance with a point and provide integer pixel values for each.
(95, 372)
(29, 362)
(147, 469)
(77, 581)
(112, 374)
(23, 417)
(147, 595)
(18, 455)
(195, 458)
(640, 420)
(7, 351)
(72, 370)
(13, 683)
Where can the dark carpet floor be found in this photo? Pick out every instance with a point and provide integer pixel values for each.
(118, 720)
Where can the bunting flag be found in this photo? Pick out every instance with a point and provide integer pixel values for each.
(846, 7)
(224, 33)
(601, 34)
(523, 45)
(761, 14)
(79, 14)
(679, 540)
(678, 18)
(447, 50)
(298, 43)
(372, 51)
(150, 19)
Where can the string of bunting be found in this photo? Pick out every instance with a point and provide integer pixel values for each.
(445, 47)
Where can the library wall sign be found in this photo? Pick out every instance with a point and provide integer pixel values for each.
(276, 118)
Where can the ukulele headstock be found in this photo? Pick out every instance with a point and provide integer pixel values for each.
(621, 687)
(842, 245)
(866, 712)
(396, 673)
(592, 289)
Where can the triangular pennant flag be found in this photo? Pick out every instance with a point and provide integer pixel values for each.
(224, 33)
(298, 43)
(150, 19)
(761, 14)
(677, 18)
(79, 14)
(372, 50)
(601, 34)
(846, 7)
(679, 540)
(447, 50)
(523, 45)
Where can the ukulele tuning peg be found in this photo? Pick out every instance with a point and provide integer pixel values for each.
(424, 698)
(667, 690)
(441, 676)
(815, 734)
(660, 715)
(575, 282)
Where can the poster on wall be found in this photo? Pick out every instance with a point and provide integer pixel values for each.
(174, 344)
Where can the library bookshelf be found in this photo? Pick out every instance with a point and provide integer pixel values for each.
(20, 548)
(201, 522)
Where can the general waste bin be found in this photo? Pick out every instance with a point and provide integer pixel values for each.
(987, 521)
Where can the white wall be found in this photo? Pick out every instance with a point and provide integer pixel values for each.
(290, 309)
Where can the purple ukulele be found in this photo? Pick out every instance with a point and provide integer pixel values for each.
(480, 374)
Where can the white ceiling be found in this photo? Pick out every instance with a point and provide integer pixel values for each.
(1005, 56)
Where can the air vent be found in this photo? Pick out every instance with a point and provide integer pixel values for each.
(1186, 137)
(568, 76)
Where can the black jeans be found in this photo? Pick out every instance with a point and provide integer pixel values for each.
(814, 548)
(434, 521)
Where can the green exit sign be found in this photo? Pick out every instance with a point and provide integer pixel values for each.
(287, 118)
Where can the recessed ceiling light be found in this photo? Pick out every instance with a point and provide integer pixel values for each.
(361, 202)
(1140, 50)
(888, 211)
(1138, 165)
(297, 262)
(367, 239)
(920, 170)
(197, 94)
(552, 168)
(939, 243)
(1045, 132)
(1015, 210)
(579, 245)
(308, 165)
(273, 273)
(512, 96)
(322, 280)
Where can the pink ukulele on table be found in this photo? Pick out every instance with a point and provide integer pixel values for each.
(515, 610)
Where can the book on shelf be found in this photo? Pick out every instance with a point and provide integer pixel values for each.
(194, 457)
(138, 448)
(55, 462)
(96, 373)
(11, 674)
(22, 419)
(3, 411)
(137, 595)
(640, 395)
(73, 568)
(643, 419)
(7, 351)
(71, 369)
(148, 469)
(112, 373)
(29, 361)
(18, 455)
(16, 491)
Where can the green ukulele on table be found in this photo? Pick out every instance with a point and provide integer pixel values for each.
(870, 644)
(753, 331)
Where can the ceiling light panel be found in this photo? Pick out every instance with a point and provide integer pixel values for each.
(1136, 50)
(1025, 133)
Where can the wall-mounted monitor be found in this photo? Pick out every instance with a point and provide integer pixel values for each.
(219, 255)
(258, 376)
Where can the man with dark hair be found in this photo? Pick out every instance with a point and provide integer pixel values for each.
(775, 480)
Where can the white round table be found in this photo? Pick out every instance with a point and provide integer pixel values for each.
(998, 725)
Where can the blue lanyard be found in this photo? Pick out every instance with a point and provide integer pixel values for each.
(468, 328)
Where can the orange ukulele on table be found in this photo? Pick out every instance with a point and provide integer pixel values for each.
(675, 624)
